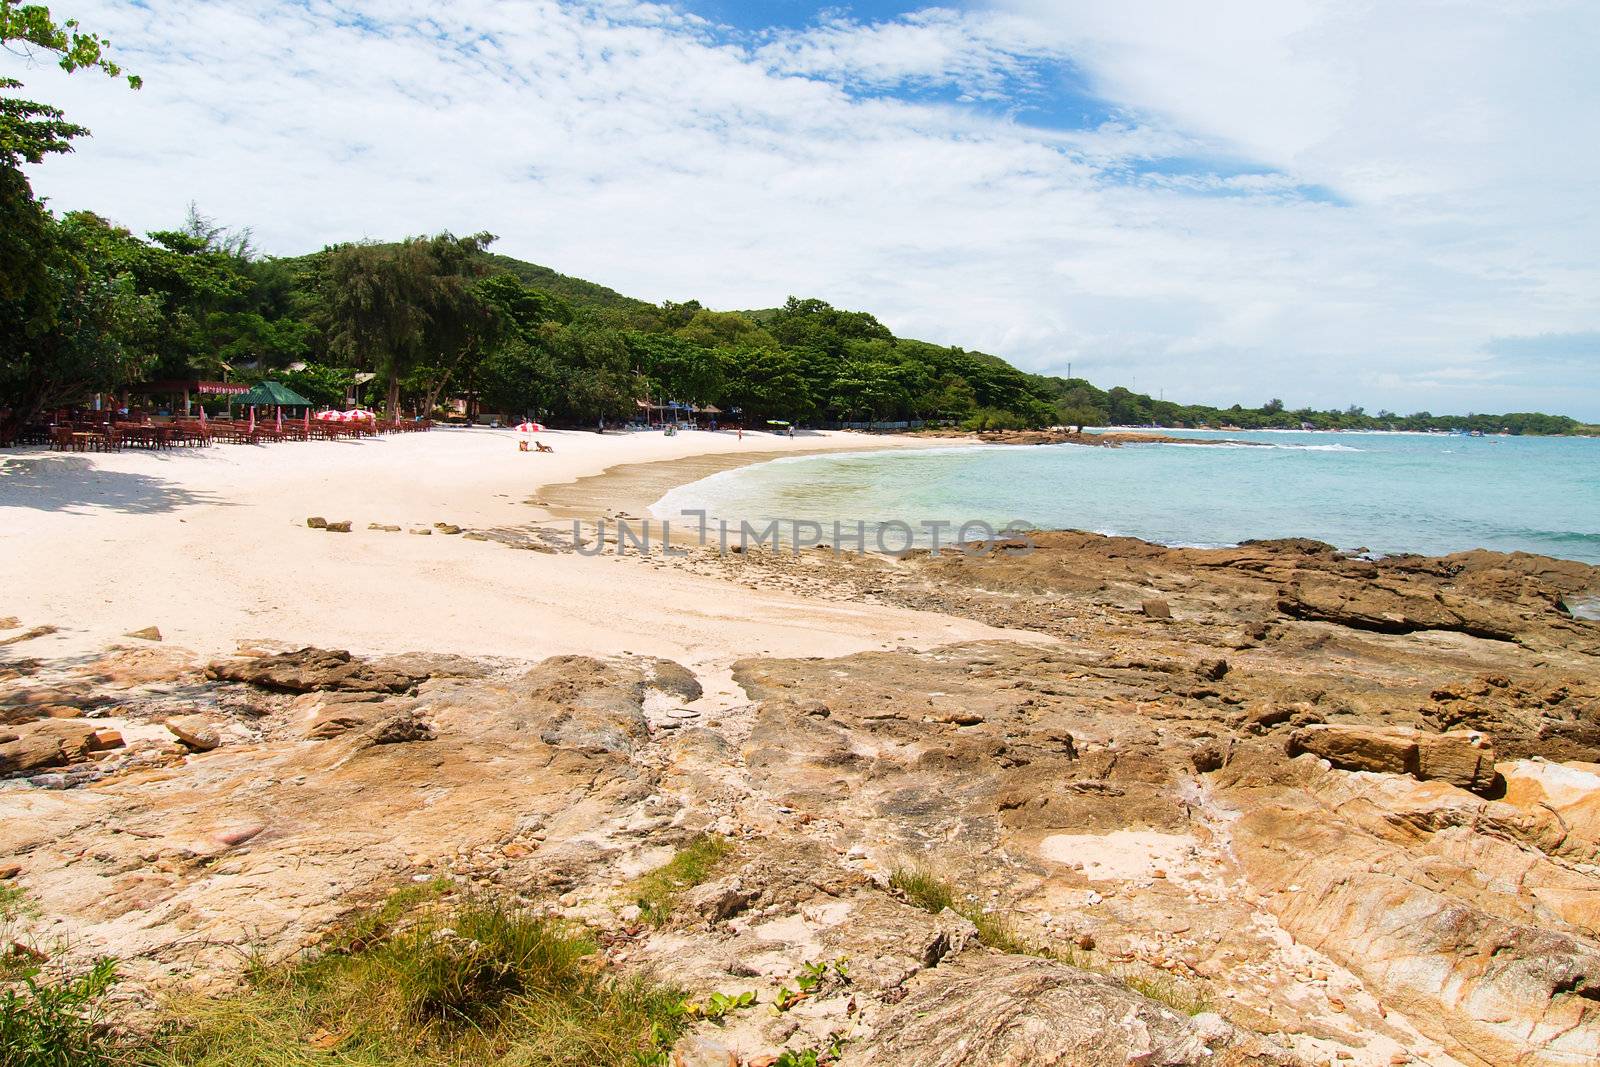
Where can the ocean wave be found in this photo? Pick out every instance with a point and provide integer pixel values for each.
(1319, 448)
(1259, 445)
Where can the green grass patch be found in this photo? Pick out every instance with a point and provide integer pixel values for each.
(657, 893)
(931, 893)
(477, 983)
(1164, 989)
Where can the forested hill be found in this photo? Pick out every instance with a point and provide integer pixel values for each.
(575, 291)
(442, 316)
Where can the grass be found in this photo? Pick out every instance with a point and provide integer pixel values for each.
(418, 983)
(931, 893)
(57, 1023)
(657, 893)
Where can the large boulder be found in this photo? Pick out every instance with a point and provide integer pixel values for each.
(988, 1008)
(313, 669)
(1464, 758)
(51, 743)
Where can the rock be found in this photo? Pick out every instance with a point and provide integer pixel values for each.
(990, 1008)
(1212, 669)
(421, 532)
(105, 740)
(313, 669)
(149, 633)
(699, 1051)
(1209, 756)
(446, 528)
(383, 527)
(1156, 609)
(9, 871)
(29, 635)
(717, 901)
(338, 527)
(51, 743)
(400, 729)
(1464, 758)
(1365, 605)
(10, 622)
(317, 522)
(194, 731)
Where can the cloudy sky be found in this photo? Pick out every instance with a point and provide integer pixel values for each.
(1391, 204)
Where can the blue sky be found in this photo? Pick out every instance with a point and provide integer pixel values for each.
(1388, 205)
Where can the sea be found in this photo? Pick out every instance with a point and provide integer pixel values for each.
(1384, 493)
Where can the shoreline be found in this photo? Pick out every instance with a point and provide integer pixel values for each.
(632, 488)
(211, 547)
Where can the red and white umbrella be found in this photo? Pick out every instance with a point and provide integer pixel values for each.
(278, 424)
(252, 428)
(528, 427)
(329, 416)
(356, 415)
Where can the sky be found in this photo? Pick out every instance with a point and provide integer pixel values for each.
(1391, 204)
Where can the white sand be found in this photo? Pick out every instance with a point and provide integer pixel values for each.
(211, 546)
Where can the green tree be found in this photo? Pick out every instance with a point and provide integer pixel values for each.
(96, 321)
(406, 307)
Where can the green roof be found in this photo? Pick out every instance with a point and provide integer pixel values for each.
(272, 394)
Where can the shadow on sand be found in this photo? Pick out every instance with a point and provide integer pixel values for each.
(73, 483)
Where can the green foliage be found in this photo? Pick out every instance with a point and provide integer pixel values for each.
(29, 131)
(57, 1023)
(408, 306)
(657, 893)
(989, 420)
(718, 1005)
(420, 984)
(79, 324)
(323, 386)
(814, 979)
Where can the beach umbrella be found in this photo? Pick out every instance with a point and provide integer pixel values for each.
(202, 414)
(278, 424)
(328, 416)
(308, 419)
(252, 428)
(357, 415)
(528, 427)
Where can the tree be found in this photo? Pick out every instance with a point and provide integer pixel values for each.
(400, 307)
(29, 130)
(96, 321)
(47, 300)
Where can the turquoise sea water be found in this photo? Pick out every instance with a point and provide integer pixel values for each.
(1386, 493)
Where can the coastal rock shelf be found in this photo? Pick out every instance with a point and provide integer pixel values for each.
(1322, 809)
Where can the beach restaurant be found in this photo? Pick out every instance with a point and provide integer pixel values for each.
(677, 413)
(184, 390)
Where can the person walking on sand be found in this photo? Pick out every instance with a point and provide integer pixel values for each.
(741, 433)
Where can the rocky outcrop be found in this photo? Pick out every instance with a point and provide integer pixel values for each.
(1294, 816)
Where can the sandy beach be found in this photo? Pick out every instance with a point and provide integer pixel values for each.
(211, 546)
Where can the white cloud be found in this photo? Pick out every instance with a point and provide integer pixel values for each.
(636, 145)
